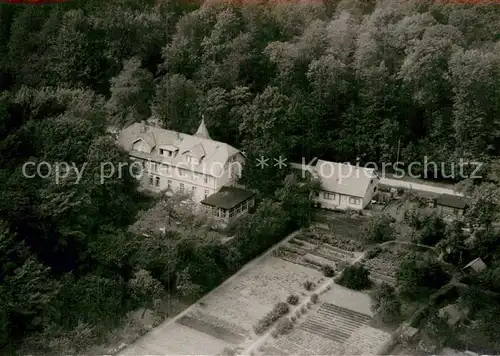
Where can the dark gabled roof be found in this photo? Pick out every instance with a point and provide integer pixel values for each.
(452, 201)
(228, 197)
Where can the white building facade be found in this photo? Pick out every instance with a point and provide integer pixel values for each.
(344, 186)
(175, 162)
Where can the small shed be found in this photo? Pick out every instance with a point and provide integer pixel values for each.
(477, 266)
(451, 206)
(453, 314)
(408, 333)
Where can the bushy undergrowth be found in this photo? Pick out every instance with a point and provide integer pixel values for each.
(314, 298)
(328, 271)
(284, 326)
(355, 277)
(308, 285)
(278, 311)
(292, 299)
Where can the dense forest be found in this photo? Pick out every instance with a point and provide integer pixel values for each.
(335, 80)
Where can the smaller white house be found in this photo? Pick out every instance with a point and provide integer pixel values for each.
(343, 186)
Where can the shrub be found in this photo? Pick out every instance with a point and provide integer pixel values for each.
(278, 311)
(314, 298)
(328, 271)
(281, 309)
(279, 252)
(374, 252)
(284, 326)
(380, 229)
(433, 230)
(293, 318)
(385, 303)
(420, 274)
(308, 285)
(303, 309)
(356, 278)
(293, 299)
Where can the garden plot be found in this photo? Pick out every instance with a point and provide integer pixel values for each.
(317, 247)
(225, 318)
(384, 266)
(338, 325)
(176, 339)
(255, 292)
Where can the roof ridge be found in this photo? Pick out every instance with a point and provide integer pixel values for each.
(184, 134)
(347, 164)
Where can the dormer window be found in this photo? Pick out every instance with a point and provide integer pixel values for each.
(191, 159)
(167, 151)
(141, 146)
(194, 155)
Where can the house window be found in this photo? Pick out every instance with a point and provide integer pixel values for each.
(193, 191)
(181, 187)
(354, 201)
(157, 182)
(206, 193)
(328, 196)
(153, 166)
(206, 179)
(150, 180)
(182, 173)
(165, 153)
(164, 169)
(191, 159)
(169, 184)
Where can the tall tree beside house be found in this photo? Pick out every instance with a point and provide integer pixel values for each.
(381, 229)
(175, 103)
(385, 303)
(131, 93)
(145, 288)
(475, 75)
(295, 197)
(185, 285)
(419, 274)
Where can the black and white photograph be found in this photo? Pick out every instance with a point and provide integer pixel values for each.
(249, 177)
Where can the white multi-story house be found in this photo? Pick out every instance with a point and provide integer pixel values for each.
(173, 161)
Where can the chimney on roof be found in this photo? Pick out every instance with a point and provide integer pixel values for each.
(143, 126)
(202, 129)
